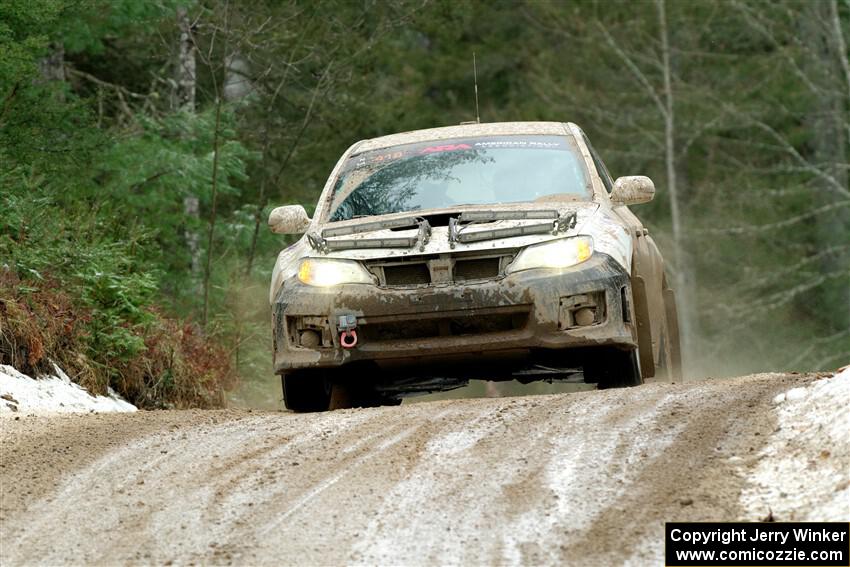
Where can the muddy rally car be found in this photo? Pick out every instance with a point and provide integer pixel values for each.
(480, 251)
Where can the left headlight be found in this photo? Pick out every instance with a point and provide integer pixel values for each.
(561, 253)
(323, 272)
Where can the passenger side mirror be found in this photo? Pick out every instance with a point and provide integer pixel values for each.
(291, 219)
(633, 190)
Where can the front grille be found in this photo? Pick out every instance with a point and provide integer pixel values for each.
(476, 269)
(426, 326)
(399, 330)
(444, 268)
(495, 323)
(407, 274)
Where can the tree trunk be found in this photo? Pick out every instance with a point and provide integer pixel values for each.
(52, 65)
(185, 65)
(211, 233)
(237, 84)
(683, 277)
(840, 46)
(52, 68)
(828, 117)
(183, 97)
(841, 51)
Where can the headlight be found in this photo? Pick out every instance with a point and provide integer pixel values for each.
(323, 272)
(561, 253)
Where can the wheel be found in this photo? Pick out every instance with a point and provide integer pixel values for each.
(306, 391)
(315, 390)
(613, 368)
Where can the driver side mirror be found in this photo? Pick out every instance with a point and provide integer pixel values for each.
(291, 219)
(633, 190)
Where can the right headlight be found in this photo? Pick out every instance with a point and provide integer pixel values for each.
(555, 254)
(326, 272)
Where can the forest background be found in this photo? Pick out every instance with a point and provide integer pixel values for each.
(143, 143)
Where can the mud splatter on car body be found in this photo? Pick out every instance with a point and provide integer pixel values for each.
(493, 251)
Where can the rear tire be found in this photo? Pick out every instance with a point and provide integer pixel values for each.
(306, 391)
(614, 368)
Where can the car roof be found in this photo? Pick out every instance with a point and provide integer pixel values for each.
(463, 131)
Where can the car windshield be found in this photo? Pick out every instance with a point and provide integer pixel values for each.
(447, 173)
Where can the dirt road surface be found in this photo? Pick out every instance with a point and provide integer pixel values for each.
(583, 478)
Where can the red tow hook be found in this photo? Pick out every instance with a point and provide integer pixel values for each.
(347, 334)
(348, 339)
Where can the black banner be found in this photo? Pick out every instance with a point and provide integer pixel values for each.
(742, 544)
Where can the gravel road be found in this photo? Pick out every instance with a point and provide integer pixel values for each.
(582, 478)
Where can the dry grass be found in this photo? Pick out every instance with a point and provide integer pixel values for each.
(177, 367)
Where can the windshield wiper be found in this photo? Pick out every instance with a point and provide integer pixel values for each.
(320, 242)
(553, 223)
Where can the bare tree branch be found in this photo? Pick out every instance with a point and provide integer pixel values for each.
(774, 225)
(754, 22)
(778, 299)
(639, 76)
(778, 274)
(841, 45)
(789, 149)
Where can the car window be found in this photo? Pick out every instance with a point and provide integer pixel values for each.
(600, 167)
(471, 171)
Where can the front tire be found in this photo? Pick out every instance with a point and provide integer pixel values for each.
(314, 390)
(306, 391)
(613, 368)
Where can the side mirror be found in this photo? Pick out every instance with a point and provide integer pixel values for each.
(291, 219)
(633, 190)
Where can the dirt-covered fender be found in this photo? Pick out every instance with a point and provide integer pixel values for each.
(610, 236)
(286, 265)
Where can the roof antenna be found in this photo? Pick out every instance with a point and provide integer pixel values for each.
(475, 74)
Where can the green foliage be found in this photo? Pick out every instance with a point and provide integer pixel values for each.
(22, 39)
(111, 256)
(74, 290)
(150, 171)
(89, 25)
(92, 257)
(29, 110)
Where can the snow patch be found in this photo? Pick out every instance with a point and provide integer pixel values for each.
(803, 474)
(436, 490)
(579, 497)
(455, 442)
(793, 395)
(52, 394)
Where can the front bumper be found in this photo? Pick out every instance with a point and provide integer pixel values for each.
(533, 309)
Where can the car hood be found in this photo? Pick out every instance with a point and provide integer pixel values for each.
(609, 236)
